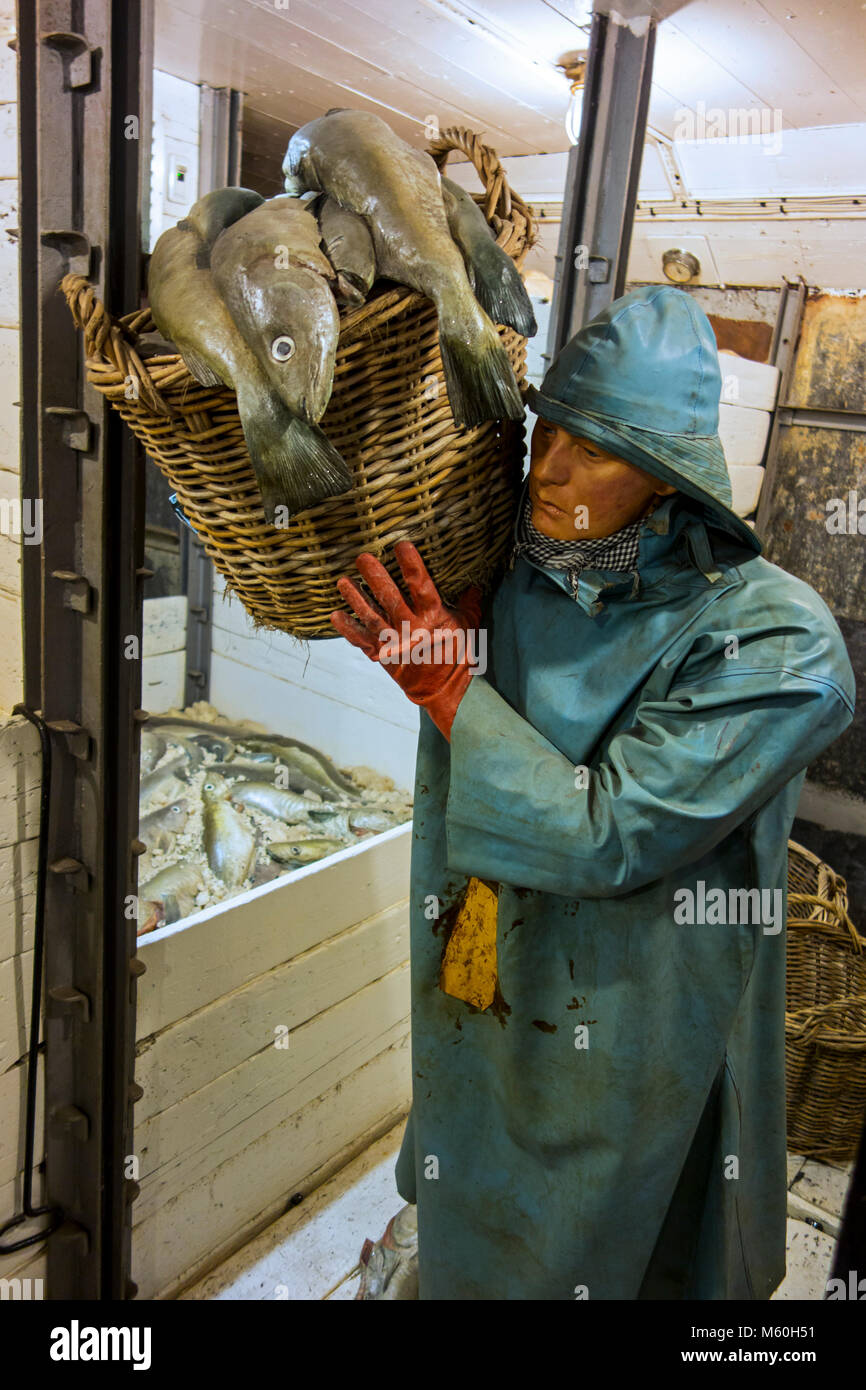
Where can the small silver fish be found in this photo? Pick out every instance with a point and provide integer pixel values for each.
(371, 819)
(157, 829)
(279, 804)
(245, 771)
(175, 769)
(152, 749)
(304, 851)
(168, 896)
(214, 787)
(228, 841)
(191, 751)
(308, 761)
(214, 744)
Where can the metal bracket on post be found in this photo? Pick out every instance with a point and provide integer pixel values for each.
(76, 426)
(199, 588)
(782, 354)
(77, 56)
(80, 72)
(75, 249)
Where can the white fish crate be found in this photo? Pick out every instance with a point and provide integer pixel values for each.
(273, 1045)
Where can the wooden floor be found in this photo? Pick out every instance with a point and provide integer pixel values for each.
(312, 1253)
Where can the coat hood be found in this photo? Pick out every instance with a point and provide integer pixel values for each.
(643, 381)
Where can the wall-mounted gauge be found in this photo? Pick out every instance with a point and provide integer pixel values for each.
(680, 266)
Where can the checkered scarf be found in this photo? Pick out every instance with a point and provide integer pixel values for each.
(618, 551)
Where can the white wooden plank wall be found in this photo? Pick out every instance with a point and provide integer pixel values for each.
(175, 145)
(20, 783)
(233, 1123)
(325, 692)
(163, 650)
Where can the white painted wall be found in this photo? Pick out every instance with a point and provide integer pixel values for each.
(325, 692)
(175, 148)
(163, 674)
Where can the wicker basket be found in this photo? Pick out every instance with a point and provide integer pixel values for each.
(825, 1019)
(416, 475)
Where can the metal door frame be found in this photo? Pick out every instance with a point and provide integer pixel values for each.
(80, 65)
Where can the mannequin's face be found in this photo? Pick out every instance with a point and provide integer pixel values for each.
(580, 492)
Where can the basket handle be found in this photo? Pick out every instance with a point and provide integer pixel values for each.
(501, 200)
(106, 338)
(857, 941)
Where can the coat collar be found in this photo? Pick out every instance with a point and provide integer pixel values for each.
(670, 531)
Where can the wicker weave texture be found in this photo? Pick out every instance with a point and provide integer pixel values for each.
(825, 1020)
(416, 475)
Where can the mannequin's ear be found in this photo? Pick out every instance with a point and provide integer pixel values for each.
(665, 490)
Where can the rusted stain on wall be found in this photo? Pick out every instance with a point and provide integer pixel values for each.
(814, 466)
(843, 765)
(746, 337)
(830, 370)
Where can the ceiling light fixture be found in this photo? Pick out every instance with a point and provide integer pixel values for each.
(574, 67)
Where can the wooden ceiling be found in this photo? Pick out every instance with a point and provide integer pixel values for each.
(491, 64)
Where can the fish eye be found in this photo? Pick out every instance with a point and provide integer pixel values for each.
(283, 348)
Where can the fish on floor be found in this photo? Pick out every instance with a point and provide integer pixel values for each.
(356, 158)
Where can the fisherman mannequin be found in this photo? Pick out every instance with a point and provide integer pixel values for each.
(598, 992)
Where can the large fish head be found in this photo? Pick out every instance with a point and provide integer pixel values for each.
(292, 326)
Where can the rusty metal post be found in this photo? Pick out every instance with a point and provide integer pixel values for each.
(79, 63)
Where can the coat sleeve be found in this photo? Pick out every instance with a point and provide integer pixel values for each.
(692, 767)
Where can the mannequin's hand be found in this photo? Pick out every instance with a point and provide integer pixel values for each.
(422, 644)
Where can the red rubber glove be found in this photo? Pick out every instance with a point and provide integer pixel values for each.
(429, 656)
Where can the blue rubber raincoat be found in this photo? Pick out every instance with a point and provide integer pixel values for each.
(612, 1126)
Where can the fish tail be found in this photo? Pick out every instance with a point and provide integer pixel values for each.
(479, 377)
(295, 466)
(502, 294)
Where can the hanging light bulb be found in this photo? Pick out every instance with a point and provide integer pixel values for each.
(574, 67)
(574, 113)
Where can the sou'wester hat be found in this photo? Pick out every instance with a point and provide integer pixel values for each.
(643, 381)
